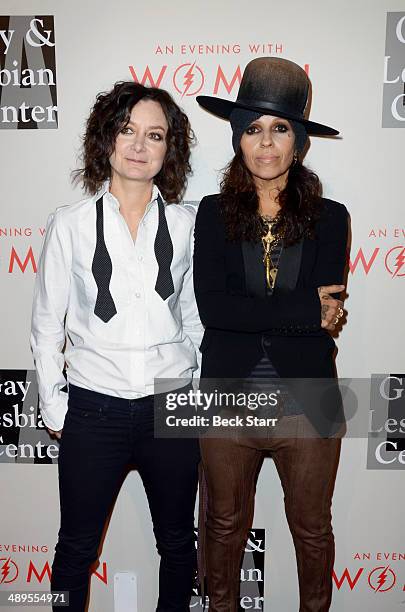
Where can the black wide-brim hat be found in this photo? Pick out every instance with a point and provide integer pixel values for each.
(271, 86)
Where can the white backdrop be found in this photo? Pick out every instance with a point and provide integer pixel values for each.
(344, 46)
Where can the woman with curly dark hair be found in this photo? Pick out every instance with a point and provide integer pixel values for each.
(269, 261)
(115, 280)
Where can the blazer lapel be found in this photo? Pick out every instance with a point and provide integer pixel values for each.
(289, 267)
(254, 269)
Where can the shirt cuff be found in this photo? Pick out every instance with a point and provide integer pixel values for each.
(53, 415)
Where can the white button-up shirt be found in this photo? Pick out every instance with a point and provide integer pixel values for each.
(148, 338)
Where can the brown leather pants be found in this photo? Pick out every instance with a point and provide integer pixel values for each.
(307, 470)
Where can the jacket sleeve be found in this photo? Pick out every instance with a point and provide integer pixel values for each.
(221, 310)
(51, 296)
(332, 239)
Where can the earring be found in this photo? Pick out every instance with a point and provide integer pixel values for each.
(295, 158)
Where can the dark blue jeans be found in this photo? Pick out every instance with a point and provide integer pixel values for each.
(101, 436)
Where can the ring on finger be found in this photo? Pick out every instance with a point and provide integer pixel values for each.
(336, 320)
(340, 313)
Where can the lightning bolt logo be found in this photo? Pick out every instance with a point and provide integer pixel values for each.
(188, 79)
(183, 84)
(400, 260)
(382, 578)
(5, 570)
(379, 584)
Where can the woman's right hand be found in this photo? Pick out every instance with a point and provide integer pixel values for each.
(331, 309)
(56, 434)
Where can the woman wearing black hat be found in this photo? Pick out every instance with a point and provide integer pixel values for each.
(269, 260)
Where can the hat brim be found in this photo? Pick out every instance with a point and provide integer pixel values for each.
(223, 108)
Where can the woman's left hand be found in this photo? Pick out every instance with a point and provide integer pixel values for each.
(331, 309)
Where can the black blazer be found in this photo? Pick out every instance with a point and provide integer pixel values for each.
(239, 319)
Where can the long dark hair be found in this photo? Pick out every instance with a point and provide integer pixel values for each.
(109, 116)
(300, 203)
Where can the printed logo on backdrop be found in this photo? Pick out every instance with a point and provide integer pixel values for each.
(28, 96)
(386, 437)
(393, 112)
(23, 436)
(251, 576)
(20, 248)
(197, 74)
(379, 572)
(30, 564)
(188, 79)
(388, 258)
(8, 570)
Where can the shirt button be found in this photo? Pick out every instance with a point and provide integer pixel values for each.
(140, 258)
(137, 295)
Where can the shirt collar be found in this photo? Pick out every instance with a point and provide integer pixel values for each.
(112, 200)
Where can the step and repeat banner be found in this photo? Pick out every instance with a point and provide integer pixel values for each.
(54, 59)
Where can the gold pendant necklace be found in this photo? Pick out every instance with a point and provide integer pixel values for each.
(269, 241)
